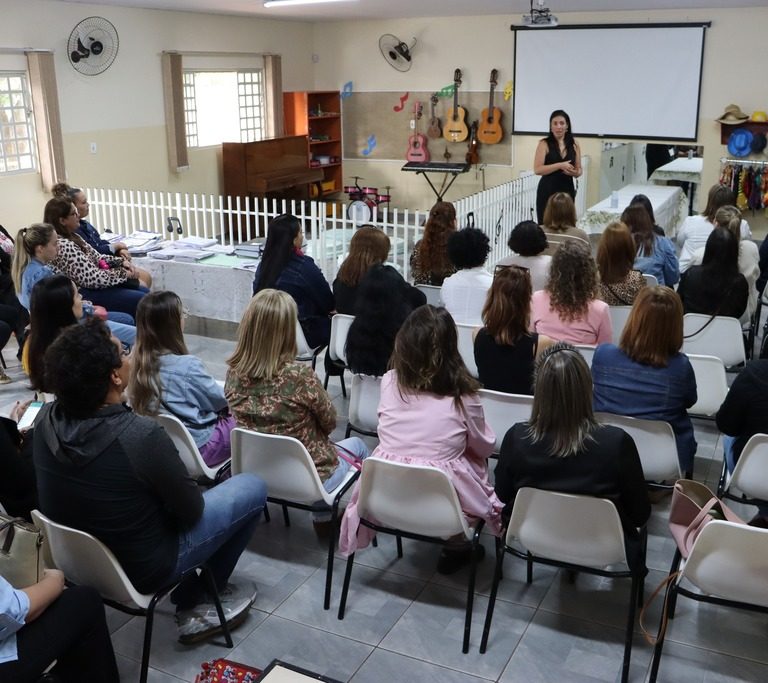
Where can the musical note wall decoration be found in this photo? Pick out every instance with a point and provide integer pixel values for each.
(403, 100)
(507, 91)
(347, 91)
(371, 144)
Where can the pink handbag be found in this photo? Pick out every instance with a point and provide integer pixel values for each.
(693, 507)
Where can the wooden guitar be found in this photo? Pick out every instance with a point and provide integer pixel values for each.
(417, 143)
(472, 156)
(435, 130)
(490, 131)
(455, 129)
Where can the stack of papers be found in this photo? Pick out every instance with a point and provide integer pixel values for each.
(141, 242)
(177, 252)
(193, 242)
(250, 249)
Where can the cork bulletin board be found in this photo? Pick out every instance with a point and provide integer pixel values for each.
(374, 130)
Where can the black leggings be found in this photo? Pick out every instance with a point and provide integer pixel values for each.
(73, 631)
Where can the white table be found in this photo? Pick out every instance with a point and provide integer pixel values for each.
(682, 169)
(670, 207)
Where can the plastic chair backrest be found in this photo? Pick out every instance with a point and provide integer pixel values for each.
(750, 476)
(730, 560)
(413, 498)
(467, 346)
(587, 351)
(432, 293)
(650, 280)
(504, 410)
(185, 445)
(337, 347)
(87, 561)
(722, 337)
(711, 384)
(619, 316)
(567, 527)
(282, 462)
(303, 350)
(364, 402)
(655, 443)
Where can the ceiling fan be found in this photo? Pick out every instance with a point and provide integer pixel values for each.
(395, 52)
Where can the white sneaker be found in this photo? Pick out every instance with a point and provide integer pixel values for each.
(202, 621)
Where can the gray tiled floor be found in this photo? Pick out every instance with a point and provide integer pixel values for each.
(404, 621)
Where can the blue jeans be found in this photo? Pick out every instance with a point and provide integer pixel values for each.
(360, 450)
(730, 463)
(218, 539)
(123, 318)
(125, 333)
(123, 299)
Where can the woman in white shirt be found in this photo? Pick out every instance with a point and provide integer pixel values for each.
(695, 229)
(528, 242)
(464, 292)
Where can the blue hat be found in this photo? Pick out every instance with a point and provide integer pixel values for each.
(740, 142)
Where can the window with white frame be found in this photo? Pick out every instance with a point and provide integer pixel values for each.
(17, 132)
(223, 106)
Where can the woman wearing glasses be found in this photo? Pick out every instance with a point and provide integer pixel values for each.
(166, 378)
(505, 350)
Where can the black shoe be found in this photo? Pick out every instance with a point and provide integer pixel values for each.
(452, 560)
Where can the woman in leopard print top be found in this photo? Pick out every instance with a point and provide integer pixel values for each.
(619, 283)
(105, 280)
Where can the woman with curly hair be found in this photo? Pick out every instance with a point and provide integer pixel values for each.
(566, 309)
(464, 292)
(429, 261)
(655, 255)
(619, 282)
(368, 247)
(529, 244)
(560, 222)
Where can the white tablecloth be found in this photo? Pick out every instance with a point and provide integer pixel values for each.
(670, 207)
(682, 169)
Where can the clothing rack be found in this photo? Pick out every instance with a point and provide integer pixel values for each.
(743, 162)
(748, 179)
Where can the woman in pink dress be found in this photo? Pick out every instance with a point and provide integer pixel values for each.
(430, 414)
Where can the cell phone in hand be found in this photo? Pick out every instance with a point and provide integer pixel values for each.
(28, 418)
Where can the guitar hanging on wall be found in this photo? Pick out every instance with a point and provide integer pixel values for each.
(455, 129)
(435, 130)
(490, 131)
(417, 143)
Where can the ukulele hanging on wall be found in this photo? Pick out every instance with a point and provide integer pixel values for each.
(472, 155)
(490, 131)
(435, 130)
(417, 143)
(455, 129)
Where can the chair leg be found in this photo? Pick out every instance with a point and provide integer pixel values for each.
(723, 479)
(348, 431)
(329, 569)
(144, 670)
(500, 551)
(672, 602)
(343, 386)
(470, 592)
(345, 587)
(529, 569)
(2, 360)
(267, 518)
(667, 611)
(630, 627)
(286, 518)
(375, 542)
(214, 593)
(399, 540)
(325, 381)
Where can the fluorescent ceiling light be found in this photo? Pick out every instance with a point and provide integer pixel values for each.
(287, 3)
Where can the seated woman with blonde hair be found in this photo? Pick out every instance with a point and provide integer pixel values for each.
(567, 309)
(646, 375)
(619, 282)
(430, 414)
(560, 222)
(505, 351)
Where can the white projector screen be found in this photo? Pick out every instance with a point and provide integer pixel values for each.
(619, 81)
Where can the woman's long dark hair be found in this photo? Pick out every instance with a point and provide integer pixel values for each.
(570, 143)
(50, 312)
(281, 232)
(636, 218)
(721, 260)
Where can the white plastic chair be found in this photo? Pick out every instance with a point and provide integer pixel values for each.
(433, 294)
(415, 502)
(304, 352)
(575, 532)
(286, 467)
(188, 451)
(87, 561)
(586, 350)
(467, 346)
(655, 442)
(364, 396)
(711, 385)
(504, 410)
(619, 316)
(650, 280)
(728, 566)
(749, 481)
(722, 337)
(337, 346)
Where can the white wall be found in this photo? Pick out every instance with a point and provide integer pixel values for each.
(121, 110)
(349, 51)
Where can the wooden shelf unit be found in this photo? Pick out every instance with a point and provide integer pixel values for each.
(317, 114)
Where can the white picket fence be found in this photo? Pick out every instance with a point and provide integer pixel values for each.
(495, 211)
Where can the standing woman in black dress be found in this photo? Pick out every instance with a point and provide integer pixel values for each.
(557, 161)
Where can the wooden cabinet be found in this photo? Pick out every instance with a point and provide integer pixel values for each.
(317, 114)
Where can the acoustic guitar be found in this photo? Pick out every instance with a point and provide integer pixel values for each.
(435, 130)
(472, 156)
(490, 131)
(417, 143)
(455, 129)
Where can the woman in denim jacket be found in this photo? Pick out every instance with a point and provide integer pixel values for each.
(285, 267)
(646, 376)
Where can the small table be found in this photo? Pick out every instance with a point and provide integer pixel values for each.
(670, 207)
(683, 170)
